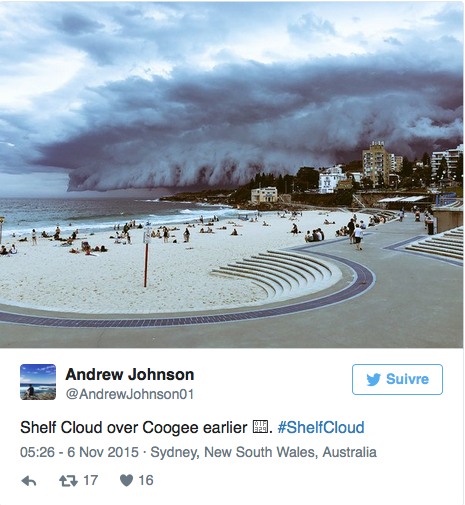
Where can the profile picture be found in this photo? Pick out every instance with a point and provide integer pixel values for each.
(38, 382)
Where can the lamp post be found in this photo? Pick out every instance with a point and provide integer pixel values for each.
(1, 227)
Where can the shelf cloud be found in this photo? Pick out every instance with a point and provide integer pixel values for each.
(122, 96)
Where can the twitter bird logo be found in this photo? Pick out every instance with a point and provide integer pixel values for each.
(372, 381)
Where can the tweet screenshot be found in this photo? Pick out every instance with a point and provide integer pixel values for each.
(231, 253)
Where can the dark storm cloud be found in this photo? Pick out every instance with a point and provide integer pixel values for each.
(219, 126)
(116, 121)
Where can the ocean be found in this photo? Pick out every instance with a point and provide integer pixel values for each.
(21, 215)
(39, 388)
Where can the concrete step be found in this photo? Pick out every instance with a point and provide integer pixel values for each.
(283, 274)
(272, 288)
(423, 249)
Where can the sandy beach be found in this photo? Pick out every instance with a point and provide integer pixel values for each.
(48, 277)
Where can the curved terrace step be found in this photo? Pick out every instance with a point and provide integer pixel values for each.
(284, 274)
(271, 288)
(321, 266)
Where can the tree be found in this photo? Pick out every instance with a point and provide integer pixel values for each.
(407, 168)
(354, 166)
(367, 183)
(426, 160)
(427, 174)
(442, 170)
(306, 178)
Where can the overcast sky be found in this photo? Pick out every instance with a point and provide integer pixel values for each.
(105, 96)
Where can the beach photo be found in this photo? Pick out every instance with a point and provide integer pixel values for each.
(231, 175)
(37, 382)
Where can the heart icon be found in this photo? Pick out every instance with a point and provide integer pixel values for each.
(126, 479)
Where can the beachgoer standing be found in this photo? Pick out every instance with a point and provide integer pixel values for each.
(351, 228)
(186, 235)
(34, 237)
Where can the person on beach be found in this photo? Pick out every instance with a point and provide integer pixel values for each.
(358, 237)
(166, 234)
(234, 232)
(187, 235)
(3, 251)
(13, 250)
(34, 237)
(294, 230)
(308, 236)
(351, 228)
(29, 391)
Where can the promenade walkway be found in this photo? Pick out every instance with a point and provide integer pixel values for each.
(386, 298)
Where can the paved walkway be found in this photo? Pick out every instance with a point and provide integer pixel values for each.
(416, 301)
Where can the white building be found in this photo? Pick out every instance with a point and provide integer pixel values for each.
(357, 176)
(451, 155)
(264, 195)
(329, 179)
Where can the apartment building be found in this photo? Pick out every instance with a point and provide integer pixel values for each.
(377, 163)
(451, 155)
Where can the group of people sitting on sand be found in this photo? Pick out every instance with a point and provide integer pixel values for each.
(123, 237)
(8, 252)
(343, 232)
(316, 235)
(88, 249)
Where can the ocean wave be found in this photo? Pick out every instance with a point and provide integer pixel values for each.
(98, 223)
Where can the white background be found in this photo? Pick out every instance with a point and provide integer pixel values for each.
(418, 439)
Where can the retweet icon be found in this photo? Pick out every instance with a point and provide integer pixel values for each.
(372, 381)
